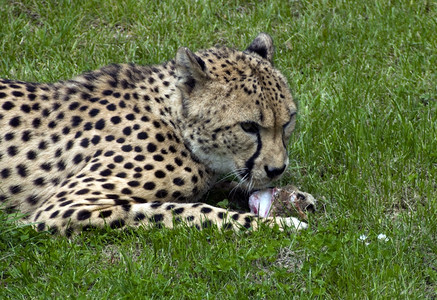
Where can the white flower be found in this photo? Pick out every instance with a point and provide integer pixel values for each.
(382, 237)
(362, 237)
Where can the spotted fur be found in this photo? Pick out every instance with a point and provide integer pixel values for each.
(130, 145)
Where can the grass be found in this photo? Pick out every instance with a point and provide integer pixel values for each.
(364, 74)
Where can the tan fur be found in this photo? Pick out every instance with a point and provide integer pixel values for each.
(132, 145)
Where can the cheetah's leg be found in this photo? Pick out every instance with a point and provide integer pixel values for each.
(116, 213)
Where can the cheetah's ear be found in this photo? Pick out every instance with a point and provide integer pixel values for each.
(190, 69)
(263, 46)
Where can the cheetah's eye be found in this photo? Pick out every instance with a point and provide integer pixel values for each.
(250, 127)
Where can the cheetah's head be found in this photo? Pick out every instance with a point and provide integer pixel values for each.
(237, 111)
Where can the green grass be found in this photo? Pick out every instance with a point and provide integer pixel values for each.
(364, 74)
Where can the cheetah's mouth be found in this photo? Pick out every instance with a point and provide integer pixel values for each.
(250, 184)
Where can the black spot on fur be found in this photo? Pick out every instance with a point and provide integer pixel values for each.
(236, 216)
(15, 189)
(100, 124)
(159, 174)
(115, 120)
(139, 217)
(105, 214)
(157, 218)
(22, 170)
(82, 192)
(205, 210)
(155, 205)
(83, 215)
(41, 226)
(117, 224)
(12, 150)
(8, 105)
(32, 200)
(161, 193)
(149, 185)
(178, 211)
(227, 226)
(207, 224)
(68, 213)
(15, 121)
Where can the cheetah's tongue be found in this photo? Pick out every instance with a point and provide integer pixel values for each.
(261, 201)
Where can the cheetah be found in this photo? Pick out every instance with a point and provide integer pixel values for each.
(129, 145)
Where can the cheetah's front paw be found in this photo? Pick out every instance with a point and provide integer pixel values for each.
(295, 223)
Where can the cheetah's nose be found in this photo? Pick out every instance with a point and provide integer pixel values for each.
(274, 172)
